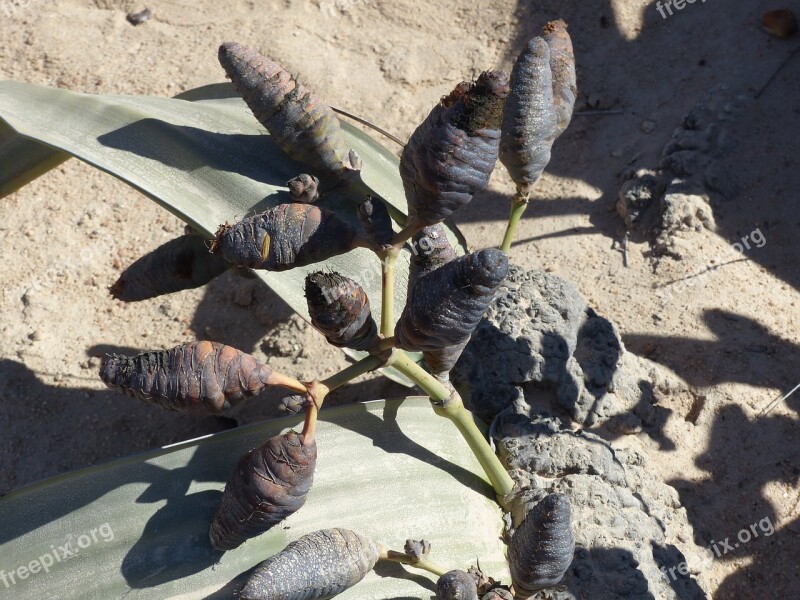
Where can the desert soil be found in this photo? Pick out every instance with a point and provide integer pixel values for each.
(724, 322)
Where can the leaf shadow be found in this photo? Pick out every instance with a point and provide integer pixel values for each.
(192, 149)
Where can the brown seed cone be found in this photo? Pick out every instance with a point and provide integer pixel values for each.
(377, 224)
(339, 309)
(181, 264)
(542, 547)
(269, 483)
(303, 126)
(197, 378)
(456, 585)
(320, 564)
(452, 153)
(430, 249)
(562, 66)
(444, 307)
(304, 188)
(284, 237)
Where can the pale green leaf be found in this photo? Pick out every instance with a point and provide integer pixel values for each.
(389, 470)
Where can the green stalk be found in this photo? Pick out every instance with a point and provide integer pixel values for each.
(405, 559)
(365, 365)
(448, 404)
(387, 291)
(518, 205)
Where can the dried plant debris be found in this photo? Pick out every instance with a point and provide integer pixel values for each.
(303, 126)
(665, 206)
(497, 594)
(339, 309)
(452, 153)
(628, 523)
(284, 237)
(318, 565)
(446, 304)
(541, 549)
(456, 585)
(197, 377)
(181, 264)
(377, 224)
(269, 483)
(304, 188)
(539, 105)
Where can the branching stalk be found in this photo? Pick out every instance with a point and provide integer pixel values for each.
(365, 365)
(448, 404)
(405, 559)
(518, 205)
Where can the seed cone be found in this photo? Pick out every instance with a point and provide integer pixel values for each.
(304, 188)
(562, 66)
(377, 224)
(197, 378)
(269, 483)
(339, 309)
(539, 106)
(456, 585)
(542, 547)
(444, 307)
(284, 237)
(452, 153)
(318, 565)
(303, 126)
(181, 264)
(432, 250)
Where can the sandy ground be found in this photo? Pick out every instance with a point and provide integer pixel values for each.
(732, 333)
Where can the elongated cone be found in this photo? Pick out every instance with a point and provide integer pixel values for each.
(542, 547)
(562, 66)
(456, 585)
(318, 565)
(197, 377)
(530, 123)
(303, 126)
(539, 106)
(452, 153)
(284, 237)
(430, 250)
(269, 483)
(377, 224)
(181, 264)
(445, 306)
(339, 309)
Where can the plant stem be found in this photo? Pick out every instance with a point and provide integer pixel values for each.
(387, 305)
(407, 232)
(365, 365)
(448, 404)
(386, 343)
(405, 559)
(518, 205)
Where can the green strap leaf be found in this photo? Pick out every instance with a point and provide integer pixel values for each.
(138, 527)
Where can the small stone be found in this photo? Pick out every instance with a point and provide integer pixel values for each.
(781, 23)
(648, 126)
